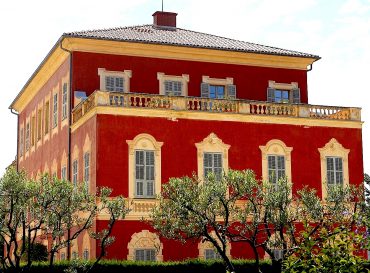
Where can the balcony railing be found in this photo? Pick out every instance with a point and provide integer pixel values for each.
(196, 104)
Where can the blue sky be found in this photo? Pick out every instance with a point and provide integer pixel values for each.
(338, 31)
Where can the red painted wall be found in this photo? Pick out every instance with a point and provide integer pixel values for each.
(251, 81)
(53, 147)
(172, 250)
(179, 154)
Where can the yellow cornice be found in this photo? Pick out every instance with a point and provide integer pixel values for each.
(57, 56)
(174, 115)
(185, 53)
(38, 80)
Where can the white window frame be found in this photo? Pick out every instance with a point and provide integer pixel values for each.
(64, 100)
(145, 181)
(63, 173)
(149, 254)
(212, 144)
(333, 149)
(217, 170)
(87, 170)
(21, 141)
(289, 87)
(55, 110)
(125, 75)
(75, 172)
(144, 142)
(227, 83)
(183, 80)
(336, 181)
(275, 172)
(28, 135)
(276, 147)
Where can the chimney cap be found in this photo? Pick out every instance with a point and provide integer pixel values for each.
(164, 19)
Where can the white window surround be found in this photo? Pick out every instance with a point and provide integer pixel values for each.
(126, 75)
(276, 147)
(144, 240)
(184, 79)
(333, 149)
(149, 143)
(283, 86)
(217, 81)
(212, 144)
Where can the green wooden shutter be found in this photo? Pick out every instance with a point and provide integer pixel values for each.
(231, 91)
(270, 94)
(296, 95)
(204, 90)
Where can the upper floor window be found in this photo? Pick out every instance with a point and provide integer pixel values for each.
(21, 142)
(334, 166)
(144, 166)
(144, 173)
(33, 130)
(27, 136)
(276, 168)
(283, 92)
(55, 110)
(170, 85)
(87, 170)
(63, 173)
(218, 88)
(75, 172)
(39, 124)
(64, 100)
(115, 81)
(334, 170)
(145, 255)
(47, 117)
(276, 161)
(212, 156)
(213, 164)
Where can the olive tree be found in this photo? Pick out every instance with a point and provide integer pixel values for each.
(193, 209)
(53, 210)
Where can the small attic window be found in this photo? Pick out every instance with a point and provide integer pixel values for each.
(114, 81)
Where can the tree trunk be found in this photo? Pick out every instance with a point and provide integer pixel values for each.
(257, 259)
(276, 265)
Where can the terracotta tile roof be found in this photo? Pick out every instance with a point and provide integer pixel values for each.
(182, 37)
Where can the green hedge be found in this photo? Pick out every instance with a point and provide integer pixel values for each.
(165, 267)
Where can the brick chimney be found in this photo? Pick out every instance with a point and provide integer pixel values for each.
(163, 19)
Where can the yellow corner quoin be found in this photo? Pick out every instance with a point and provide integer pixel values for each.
(174, 115)
(57, 56)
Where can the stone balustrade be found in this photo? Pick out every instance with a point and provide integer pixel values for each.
(197, 104)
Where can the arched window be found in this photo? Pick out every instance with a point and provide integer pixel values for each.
(212, 155)
(334, 166)
(145, 246)
(144, 166)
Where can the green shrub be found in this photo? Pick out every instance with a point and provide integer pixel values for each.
(112, 266)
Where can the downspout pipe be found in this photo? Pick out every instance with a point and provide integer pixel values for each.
(69, 132)
(310, 68)
(16, 158)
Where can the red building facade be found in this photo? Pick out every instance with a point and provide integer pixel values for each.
(128, 108)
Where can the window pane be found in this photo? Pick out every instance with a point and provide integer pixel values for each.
(139, 255)
(149, 172)
(150, 188)
(139, 188)
(139, 172)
